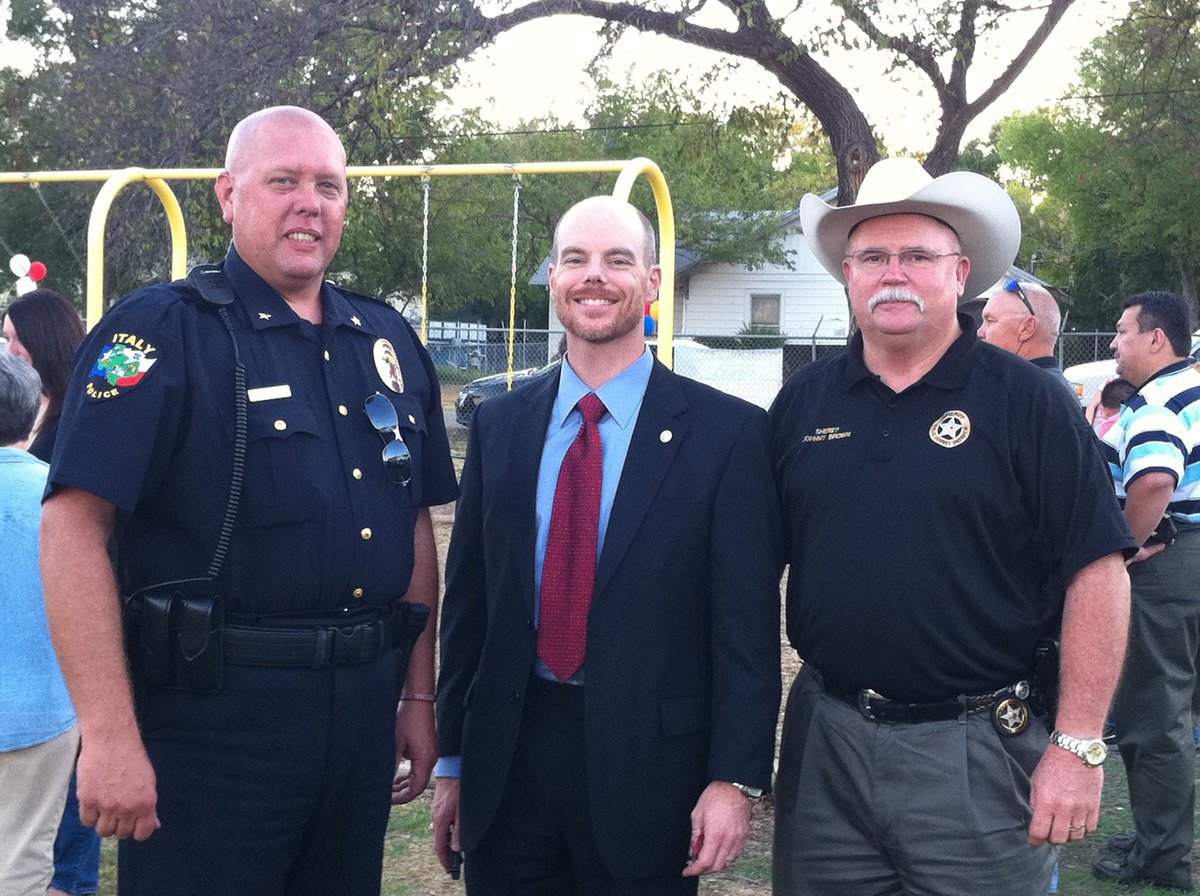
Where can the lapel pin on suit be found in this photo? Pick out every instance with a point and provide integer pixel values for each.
(665, 436)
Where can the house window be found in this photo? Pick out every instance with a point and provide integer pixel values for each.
(764, 311)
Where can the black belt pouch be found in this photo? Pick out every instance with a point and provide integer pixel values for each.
(199, 645)
(175, 640)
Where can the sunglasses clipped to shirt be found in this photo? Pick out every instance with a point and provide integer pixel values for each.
(397, 459)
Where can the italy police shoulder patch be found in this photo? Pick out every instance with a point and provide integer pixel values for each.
(123, 363)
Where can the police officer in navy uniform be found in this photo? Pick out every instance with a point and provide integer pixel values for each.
(250, 744)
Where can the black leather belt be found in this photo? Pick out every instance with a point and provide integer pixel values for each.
(877, 708)
(314, 648)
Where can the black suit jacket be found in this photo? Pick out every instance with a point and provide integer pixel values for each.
(682, 665)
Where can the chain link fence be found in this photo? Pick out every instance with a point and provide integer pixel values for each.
(1080, 348)
(472, 360)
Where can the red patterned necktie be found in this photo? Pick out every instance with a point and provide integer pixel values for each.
(569, 568)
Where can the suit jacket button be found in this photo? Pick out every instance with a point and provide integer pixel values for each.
(516, 696)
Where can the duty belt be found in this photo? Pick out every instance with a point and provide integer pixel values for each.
(1010, 710)
(316, 648)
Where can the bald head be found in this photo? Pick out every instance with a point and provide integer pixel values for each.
(284, 194)
(1007, 323)
(1046, 310)
(242, 137)
(610, 205)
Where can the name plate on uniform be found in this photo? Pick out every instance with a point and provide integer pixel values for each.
(269, 393)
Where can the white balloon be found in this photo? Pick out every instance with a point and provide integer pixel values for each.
(19, 265)
(24, 285)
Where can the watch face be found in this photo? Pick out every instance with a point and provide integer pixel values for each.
(1095, 753)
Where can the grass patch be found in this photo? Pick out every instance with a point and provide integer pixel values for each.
(408, 827)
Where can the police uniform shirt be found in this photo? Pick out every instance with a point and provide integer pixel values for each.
(148, 425)
(1158, 430)
(926, 529)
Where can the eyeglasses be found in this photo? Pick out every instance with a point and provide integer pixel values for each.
(397, 459)
(913, 259)
(1014, 286)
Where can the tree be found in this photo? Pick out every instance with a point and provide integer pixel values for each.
(732, 174)
(1121, 159)
(138, 82)
(938, 41)
(161, 85)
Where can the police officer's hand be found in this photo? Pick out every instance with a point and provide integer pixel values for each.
(445, 820)
(416, 750)
(1065, 796)
(116, 787)
(720, 829)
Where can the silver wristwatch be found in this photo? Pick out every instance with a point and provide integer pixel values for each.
(750, 793)
(1091, 750)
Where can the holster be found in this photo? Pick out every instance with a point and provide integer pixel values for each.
(174, 639)
(1045, 676)
(409, 621)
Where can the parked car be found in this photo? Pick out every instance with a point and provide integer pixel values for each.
(1087, 379)
(476, 392)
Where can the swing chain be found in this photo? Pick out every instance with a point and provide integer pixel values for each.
(425, 260)
(512, 295)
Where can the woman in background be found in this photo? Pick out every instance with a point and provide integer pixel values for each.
(44, 328)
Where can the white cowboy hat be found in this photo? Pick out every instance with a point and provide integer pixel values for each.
(975, 208)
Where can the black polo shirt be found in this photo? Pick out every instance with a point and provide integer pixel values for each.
(148, 426)
(929, 532)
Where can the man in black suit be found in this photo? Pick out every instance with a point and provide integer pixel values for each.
(629, 766)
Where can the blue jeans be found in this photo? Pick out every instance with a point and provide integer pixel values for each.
(76, 851)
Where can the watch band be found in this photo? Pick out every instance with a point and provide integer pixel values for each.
(750, 793)
(1092, 751)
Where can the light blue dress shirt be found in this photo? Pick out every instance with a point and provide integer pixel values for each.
(622, 397)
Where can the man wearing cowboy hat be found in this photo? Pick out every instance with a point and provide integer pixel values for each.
(913, 760)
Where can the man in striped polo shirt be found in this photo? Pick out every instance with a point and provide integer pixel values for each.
(1154, 454)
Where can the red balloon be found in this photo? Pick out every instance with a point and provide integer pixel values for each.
(37, 272)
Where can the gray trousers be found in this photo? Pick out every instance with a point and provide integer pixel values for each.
(1153, 709)
(864, 808)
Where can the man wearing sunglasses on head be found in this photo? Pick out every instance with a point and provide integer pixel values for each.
(260, 449)
(1024, 319)
(609, 677)
(934, 488)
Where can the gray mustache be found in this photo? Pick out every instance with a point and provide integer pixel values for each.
(895, 294)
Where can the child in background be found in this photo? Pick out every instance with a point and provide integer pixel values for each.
(1105, 405)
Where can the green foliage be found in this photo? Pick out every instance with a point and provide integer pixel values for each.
(1120, 164)
(162, 84)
